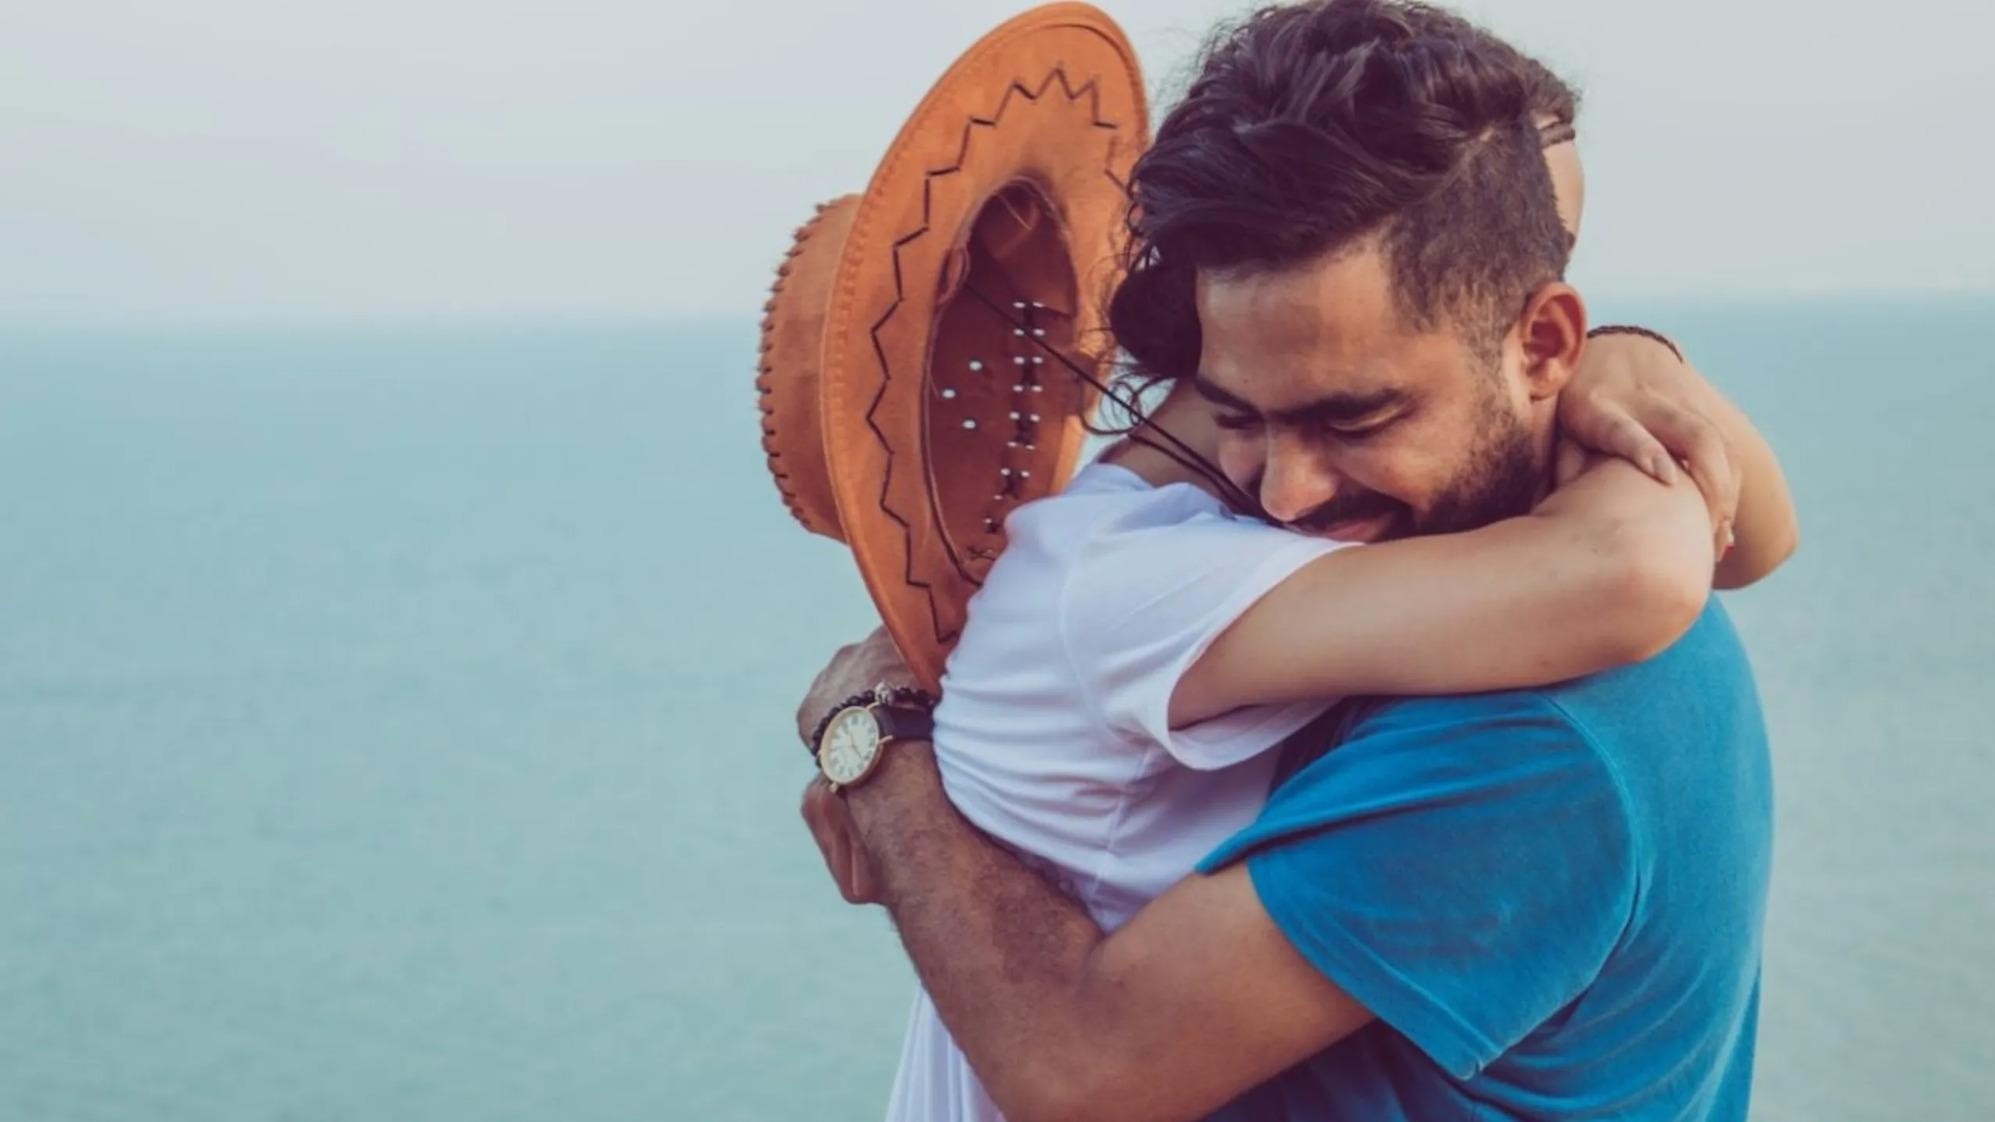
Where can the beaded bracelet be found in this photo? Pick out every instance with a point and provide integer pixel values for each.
(882, 694)
(1631, 329)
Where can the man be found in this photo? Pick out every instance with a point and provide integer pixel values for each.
(1534, 904)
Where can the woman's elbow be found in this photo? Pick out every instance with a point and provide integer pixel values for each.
(1655, 591)
(1750, 566)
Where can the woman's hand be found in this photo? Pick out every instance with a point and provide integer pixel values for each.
(1632, 397)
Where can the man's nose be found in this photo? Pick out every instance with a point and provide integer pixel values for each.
(1295, 480)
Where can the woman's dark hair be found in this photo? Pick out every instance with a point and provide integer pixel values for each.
(1313, 126)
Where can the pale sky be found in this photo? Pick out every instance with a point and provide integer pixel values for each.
(275, 161)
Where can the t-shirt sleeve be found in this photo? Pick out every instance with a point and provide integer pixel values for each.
(1142, 605)
(1461, 867)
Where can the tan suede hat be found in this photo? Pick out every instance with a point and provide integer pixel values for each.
(909, 397)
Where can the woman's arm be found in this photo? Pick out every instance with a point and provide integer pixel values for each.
(1604, 573)
(1632, 396)
(1767, 530)
(1611, 569)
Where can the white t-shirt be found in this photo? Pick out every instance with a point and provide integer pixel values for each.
(1053, 735)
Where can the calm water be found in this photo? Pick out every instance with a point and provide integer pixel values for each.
(397, 725)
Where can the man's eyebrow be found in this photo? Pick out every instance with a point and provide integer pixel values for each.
(1329, 409)
(1210, 391)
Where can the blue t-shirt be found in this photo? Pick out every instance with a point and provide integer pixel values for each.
(1551, 899)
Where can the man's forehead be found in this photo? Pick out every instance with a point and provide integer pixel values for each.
(1281, 339)
(1265, 376)
(1310, 303)
(1302, 395)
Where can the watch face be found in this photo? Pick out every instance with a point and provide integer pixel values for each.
(849, 746)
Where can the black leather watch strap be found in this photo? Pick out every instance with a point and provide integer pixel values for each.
(903, 723)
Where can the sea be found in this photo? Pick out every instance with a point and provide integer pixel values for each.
(396, 723)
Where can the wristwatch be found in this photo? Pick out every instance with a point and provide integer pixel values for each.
(851, 742)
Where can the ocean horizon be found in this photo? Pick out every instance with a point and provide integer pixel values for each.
(395, 722)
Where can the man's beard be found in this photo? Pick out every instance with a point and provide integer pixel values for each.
(1500, 479)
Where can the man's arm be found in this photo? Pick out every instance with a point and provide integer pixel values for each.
(1371, 886)
(1059, 1022)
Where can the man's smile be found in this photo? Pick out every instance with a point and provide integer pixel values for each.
(1362, 517)
(1360, 529)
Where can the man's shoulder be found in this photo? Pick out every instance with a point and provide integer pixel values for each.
(1558, 716)
(1439, 766)
(1446, 718)
(1483, 740)
(1707, 663)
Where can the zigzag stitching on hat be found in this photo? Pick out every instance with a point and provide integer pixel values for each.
(1059, 74)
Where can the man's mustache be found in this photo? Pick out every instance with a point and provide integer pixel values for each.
(1351, 506)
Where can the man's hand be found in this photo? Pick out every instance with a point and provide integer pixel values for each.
(1633, 398)
(866, 832)
(1056, 1021)
(856, 668)
(830, 820)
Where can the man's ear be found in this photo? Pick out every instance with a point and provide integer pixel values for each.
(1552, 329)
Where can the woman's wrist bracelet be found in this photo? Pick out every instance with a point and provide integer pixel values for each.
(1631, 329)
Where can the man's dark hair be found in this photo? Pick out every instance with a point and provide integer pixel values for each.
(1313, 126)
